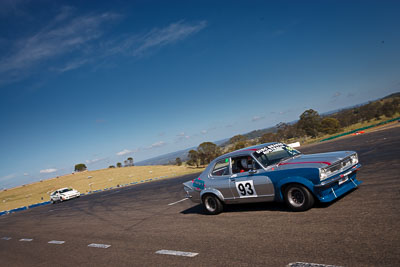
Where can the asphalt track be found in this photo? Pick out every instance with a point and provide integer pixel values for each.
(360, 229)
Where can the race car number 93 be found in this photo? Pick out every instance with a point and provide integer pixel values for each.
(246, 189)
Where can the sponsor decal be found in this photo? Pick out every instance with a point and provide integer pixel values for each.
(199, 184)
(270, 148)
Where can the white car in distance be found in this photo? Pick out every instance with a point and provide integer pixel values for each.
(64, 194)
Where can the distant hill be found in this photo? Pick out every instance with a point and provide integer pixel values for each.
(183, 154)
(167, 158)
(392, 95)
(171, 157)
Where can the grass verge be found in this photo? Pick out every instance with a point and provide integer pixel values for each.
(85, 182)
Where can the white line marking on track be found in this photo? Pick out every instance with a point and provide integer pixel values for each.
(56, 242)
(6, 238)
(306, 264)
(176, 253)
(94, 245)
(26, 239)
(170, 204)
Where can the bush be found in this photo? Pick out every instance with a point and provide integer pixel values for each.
(80, 167)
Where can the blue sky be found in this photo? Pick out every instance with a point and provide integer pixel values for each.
(96, 82)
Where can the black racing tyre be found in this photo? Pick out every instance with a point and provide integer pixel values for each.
(212, 204)
(298, 197)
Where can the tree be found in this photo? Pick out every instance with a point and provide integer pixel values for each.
(330, 125)
(310, 122)
(119, 165)
(178, 161)
(240, 145)
(130, 161)
(193, 158)
(389, 109)
(80, 167)
(268, 137)
(111, 166)
(237, 138)
(207, 152)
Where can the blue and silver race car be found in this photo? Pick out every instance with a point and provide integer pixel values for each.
(274, 172)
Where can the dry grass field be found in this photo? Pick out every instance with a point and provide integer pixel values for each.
(87, 181)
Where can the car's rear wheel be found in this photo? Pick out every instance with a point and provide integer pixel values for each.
(212, 204)
(298, 197)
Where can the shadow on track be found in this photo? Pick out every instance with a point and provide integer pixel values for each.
(260, 206)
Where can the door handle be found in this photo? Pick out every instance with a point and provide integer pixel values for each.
(232, 179)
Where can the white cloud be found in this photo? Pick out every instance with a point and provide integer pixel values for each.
(91, 161)
(63, 35)
(257, 118)
(8, 177)
(203, 131)
(48, 171)
(161, 37)
(26, 174)
(124, 152)
(72, 65)
(77, 41)
(182, 136)
(158, 144)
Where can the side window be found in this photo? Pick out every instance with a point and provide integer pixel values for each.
(221, 168)
(244, 164)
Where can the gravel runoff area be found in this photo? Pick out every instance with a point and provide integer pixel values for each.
(152, 225)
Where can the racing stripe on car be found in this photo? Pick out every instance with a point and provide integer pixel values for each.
(303, 162)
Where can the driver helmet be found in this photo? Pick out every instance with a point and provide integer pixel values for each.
(244, 164)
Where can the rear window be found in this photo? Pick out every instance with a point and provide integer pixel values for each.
(221, 168)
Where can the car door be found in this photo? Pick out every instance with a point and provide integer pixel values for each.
(251, 185)
(219, 178)
(56, 196)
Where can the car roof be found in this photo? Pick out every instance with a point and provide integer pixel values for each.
(245, 151)
(63, 188)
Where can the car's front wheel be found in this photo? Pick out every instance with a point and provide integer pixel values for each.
(298, 197)
(212, 204)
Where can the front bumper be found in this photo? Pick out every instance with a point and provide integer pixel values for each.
(337, 186)
(70, 197)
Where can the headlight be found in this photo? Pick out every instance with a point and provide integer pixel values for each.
(354, 158)
(322, 174)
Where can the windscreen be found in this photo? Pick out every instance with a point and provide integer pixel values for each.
(65, 190)
(274, 153)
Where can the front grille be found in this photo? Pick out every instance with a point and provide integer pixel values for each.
(339, 165)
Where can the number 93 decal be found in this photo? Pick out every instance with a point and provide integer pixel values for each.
(246, 189)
